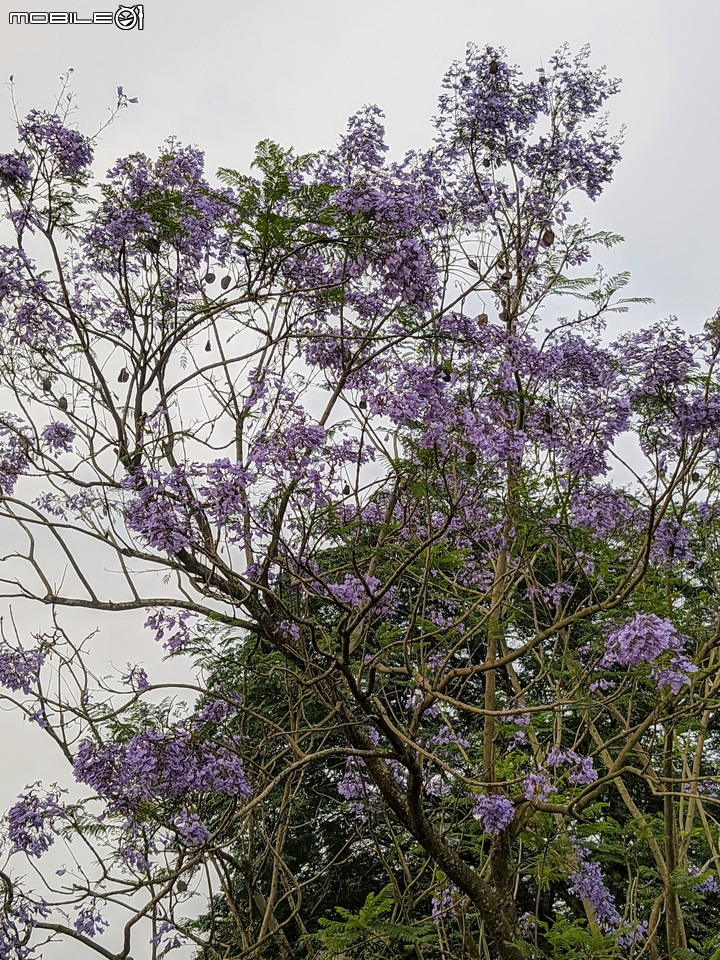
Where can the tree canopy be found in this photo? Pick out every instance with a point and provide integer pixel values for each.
(346, 430)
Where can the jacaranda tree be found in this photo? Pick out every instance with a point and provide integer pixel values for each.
(441, 557)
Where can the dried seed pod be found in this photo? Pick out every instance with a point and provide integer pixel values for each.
(493, 67)
(209, 277)
(482, 320)
(471, 458)
(363, 403)
(208, 347)
(695, 476)
(62, 403)
(346, 489)
(153, 245)
(225, 282)
(47, 385)
(505, 275)
(473, 264)
(548, 238)
(487, 162)
(181, 886)
(504, 315)
(542, 80)
(124, 375)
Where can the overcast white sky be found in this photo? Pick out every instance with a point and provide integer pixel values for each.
(226, 74)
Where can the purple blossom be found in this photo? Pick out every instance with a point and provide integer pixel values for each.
(89, 921)
(167, 937)
(137, 678)
(632, 934)
(582, 769)
(443, 903)
(494, 811)
(59, 437)
(173, 628)
(14, 451)
(671, 544)
(536, 784)
(709, 883)
(32, 822)
(588, 883)
(648, 639)
(20, 668)
(46, 135)
(356, 788)
(14, 170)
(170, 764)
(191, 830)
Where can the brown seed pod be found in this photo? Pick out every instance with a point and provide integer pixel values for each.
(487, 162)
(504, 315)
(505, 275)
(482, 320)
(346, 489)
(62, 403)
(493, 67)
(548, 238)
(123, 376)
(473, 264)
(225, 282)
(695, 476)
(47, 385)
(542, 80)
(471, 458)
(208, 347)
(209, 277)
(363, 404)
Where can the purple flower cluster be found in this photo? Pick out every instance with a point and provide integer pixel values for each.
(32, 822)
(191, 830)
(356, 787)
(164, 206)
(45, 134)
(89, 921)
(14, 170)
(16, 922)
(173, 764)
(588, 883)
(649, 639)
(494, 811)
(709, 883)
(176, 625)
(20, 668)
(536, 784)
(59, 437)
(14, 451)
(162, 510)
(137, 678)
(582, 769)
(167, 938)
(443, 903)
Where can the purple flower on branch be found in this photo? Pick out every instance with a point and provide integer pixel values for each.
(32, 820)
(59, 437)
(495, 812)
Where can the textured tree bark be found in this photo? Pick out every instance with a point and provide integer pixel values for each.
(674, 925)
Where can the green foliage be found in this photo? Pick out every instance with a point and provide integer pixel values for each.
(371, 932)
